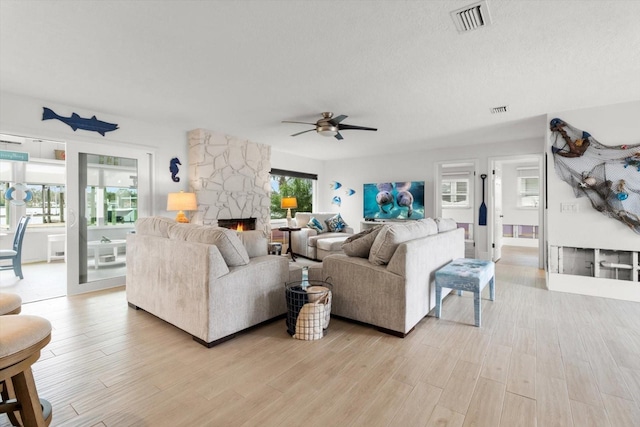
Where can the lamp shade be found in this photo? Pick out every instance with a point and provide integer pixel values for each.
(289, 203)
(182, 202)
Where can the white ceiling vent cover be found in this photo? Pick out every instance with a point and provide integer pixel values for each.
(471, 17)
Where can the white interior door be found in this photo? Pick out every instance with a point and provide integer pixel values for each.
(107, 190)
(496, 197)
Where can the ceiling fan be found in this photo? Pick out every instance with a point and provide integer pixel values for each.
(330, 126)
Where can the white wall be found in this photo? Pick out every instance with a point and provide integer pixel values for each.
(417, 166)
(22, 116)
(610, 125)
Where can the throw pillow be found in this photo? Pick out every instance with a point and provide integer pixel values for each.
(254, 242)
(316, 225)
(227, 241)
(154, 226)
(359, 245)
(336, 223)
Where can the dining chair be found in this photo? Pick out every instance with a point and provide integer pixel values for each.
(15, 253)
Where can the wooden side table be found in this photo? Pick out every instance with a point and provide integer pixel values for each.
(290, 229)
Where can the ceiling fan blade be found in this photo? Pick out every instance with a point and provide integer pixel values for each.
(304, 123)
(338, 136)
(352, 127)
(304, 131)
(334, 121)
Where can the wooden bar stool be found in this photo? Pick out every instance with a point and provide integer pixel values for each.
(10, 303)
(21, 339)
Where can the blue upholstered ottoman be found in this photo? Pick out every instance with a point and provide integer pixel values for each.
(466, 274)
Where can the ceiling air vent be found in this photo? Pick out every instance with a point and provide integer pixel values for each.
(497, 110)
(471, 17)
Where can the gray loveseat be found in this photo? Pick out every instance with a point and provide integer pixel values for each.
(211, 282)
(391, 285)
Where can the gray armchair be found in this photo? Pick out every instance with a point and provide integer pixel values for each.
(304, 242)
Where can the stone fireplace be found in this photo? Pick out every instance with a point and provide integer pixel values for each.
(230, 177)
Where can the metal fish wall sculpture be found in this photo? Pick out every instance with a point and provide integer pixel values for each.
(76, 122)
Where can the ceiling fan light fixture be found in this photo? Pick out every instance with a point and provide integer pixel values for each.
(327, 130)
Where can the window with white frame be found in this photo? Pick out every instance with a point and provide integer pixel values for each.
(528, 187)
(455, 193)
(285, 183)
(45, 179)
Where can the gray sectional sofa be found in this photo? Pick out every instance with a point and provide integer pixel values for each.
(388, 281)
(209, 281)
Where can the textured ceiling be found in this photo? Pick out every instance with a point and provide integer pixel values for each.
(240, 67)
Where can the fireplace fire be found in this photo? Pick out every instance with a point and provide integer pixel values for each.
(238, 224)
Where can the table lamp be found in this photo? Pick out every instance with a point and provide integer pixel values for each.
(289, 203)
(181, 202)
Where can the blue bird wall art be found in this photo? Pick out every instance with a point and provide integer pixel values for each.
(76, 122)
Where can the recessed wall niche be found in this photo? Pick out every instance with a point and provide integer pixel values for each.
(595, 262)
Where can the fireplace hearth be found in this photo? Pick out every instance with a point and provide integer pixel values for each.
(238, 224)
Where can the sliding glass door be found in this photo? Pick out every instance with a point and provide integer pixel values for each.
(108, 189)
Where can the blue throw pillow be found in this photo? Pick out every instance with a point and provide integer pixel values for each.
(316, 225)
(336, 223)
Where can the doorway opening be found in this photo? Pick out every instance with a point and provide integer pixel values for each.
(33, 184)
(455, 198)
(516, 213)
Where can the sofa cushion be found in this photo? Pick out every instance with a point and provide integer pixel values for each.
(336, 223)
(227, 241)
(359, 245)
(391, 235)
(446, 224)
(315, 224)
(332, 244)
(312, 241)
(431, 226)
(154, 226)
(302, 218)
(254, 242)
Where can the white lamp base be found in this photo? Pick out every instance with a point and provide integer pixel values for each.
(289, 219)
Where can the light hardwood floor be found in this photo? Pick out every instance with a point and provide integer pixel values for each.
(540, 359)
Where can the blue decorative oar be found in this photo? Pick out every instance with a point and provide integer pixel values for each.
(483, 207)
